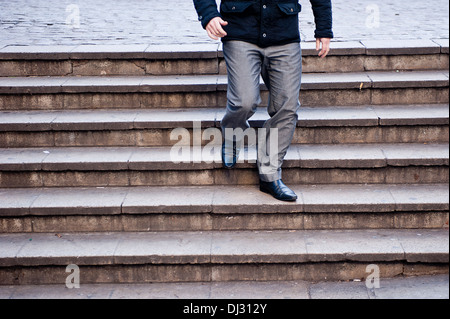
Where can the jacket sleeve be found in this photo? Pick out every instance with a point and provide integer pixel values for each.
(323, 18)
(206, 10)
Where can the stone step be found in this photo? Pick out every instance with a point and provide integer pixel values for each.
(97, 60)
(220, 208)
(221, 256)
(154, 127)
(185, 165)
(405, 287)
(324, 89)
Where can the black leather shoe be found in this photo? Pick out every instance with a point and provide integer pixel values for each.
(230, 154)
(278, 190)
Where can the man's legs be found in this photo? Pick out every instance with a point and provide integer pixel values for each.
(281, 71)
(243, 95)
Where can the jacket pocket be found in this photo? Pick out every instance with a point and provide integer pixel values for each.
(290, 8)
(235, 7)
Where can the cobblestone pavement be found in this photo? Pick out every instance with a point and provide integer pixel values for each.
(69, 22)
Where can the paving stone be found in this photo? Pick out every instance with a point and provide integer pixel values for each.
(190, 158)
(98, 159)
(345, 116)
(66, 249)
(85, 52)
(186, 51)
(429, 197)
(422, 287)
(315, 81)
(213, 83)
(162, 291)
(226, 247)
(335, 81)
(364, 246)
(22, 159)
(337, 48)
(408, 79)
(164, 248)
(416, 287)
(88, 201)
(402, 115)
(184, 118)
(45, 23)
(339, 290)
(11, 246)
(94, 120)
(61, 292)
(102, 84)
(259, 290)
(418, 246)
(16, 202)
(164, 200)
(173, 118)
(44, 52)
(24, 121)
(444, 43)
(258, 247)
(417, 154)
(186, 165)
(351, 198)
(316, 156)
(225, 200)
(33, 85)
(396, 47)
(241, 200)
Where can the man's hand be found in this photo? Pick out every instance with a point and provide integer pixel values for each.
(325, 48)
(214, 28)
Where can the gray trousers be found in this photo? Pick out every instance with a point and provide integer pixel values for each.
(281, 69)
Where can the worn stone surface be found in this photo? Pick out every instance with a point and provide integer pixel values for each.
(206, 83)
(444, 43)
(207, 117)
(150, 22)
(88, 201)
(186, 158)
(421, 46)
(225, 247)
(422, 287)
(168, 200)
(224, 200)
(407, 79)
(135, 127)
(388, 115)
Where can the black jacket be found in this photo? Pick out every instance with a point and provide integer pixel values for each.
(265, 22)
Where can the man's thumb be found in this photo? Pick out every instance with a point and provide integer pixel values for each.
(222, 22)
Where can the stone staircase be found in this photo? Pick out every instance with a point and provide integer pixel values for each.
(88, 176)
